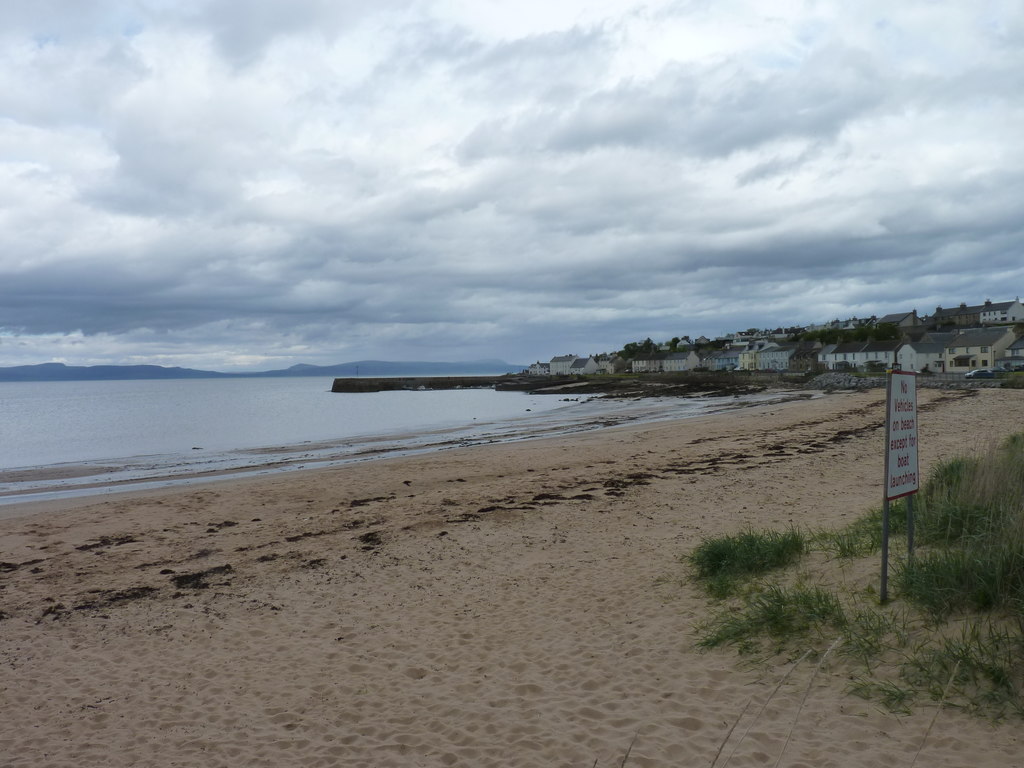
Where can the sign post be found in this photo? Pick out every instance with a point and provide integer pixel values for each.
(901, 469)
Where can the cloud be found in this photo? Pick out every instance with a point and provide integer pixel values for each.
(314, 181)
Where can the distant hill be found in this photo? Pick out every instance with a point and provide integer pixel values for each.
(395, 368)
(61, 372)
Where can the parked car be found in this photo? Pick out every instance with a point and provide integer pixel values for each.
(980, 373)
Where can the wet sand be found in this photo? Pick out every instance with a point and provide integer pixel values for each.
(518, 604)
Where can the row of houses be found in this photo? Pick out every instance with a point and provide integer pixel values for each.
(949, 340)
(980, 315)
(935, 352)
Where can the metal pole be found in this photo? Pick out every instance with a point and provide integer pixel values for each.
(884, 591)
(910, 529)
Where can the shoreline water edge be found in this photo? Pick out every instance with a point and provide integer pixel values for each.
(113, 474)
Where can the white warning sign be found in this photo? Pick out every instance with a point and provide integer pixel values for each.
(901, 475)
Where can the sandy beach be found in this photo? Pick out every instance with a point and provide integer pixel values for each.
(519, 604)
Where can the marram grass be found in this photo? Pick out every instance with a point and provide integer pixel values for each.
(723, 562)
(955, 631)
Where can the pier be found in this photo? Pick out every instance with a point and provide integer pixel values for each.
(414, 383)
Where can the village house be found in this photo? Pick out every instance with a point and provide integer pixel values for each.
(1002, 312)
(880, 355)
(647, 364)
(571, 365)
(805, 356)
(922, 356)
(723, 360)
(1014, 356)
(841, 357)
(582, 366)
(680, 361)
(860, 356)
(776, 357)
(902, 320)
(750, 354)
(560, 365)
(977, 348)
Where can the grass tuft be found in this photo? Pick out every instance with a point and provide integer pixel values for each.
(778, 612)
(863, 536)
(722, 563)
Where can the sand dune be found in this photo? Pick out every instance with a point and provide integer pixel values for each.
(505, 605)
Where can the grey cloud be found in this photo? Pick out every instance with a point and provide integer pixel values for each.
(714, 112)
(561, 211)
(243, 32)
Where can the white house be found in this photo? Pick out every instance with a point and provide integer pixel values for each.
(921, 356)
(860, 355)
(1002, 312)
(880, 355)
(776, 358)
(584, 365)
(842, 357)
(561, 364)
(649, 364)
(680, 361)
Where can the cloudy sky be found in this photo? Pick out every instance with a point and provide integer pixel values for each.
(249, 184)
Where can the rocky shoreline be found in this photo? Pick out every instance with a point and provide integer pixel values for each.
(838, 380)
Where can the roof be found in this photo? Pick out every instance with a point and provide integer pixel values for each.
(897, 317)
(926, 346)
(939, 338)
(997, 306)
(848, 347)
(725, 353)
(882, 346)
(963, 309)
(979, 337)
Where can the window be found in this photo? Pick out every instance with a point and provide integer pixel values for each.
(984, 349)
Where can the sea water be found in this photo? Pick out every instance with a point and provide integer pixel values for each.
(54, 422)
(56, 437)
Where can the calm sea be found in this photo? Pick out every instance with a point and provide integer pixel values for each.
(58, 436)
